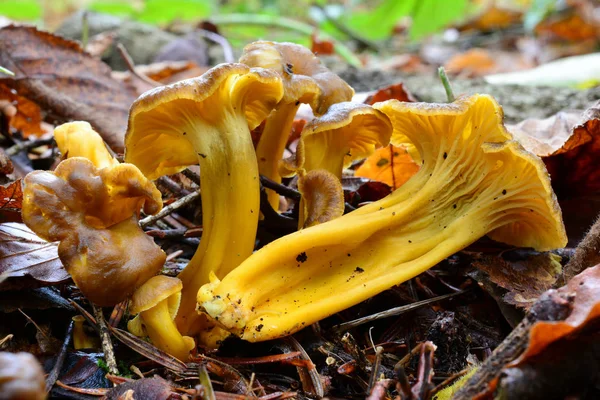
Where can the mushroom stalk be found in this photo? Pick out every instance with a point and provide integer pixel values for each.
(474, 180)
(163, 333)
(230, 187)
(272, 145)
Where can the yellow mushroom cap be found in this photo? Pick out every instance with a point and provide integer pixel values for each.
(539, 223)
(323, 197)
(155, 290)
(305, 78)
(161, 119)
(78, 139)
(347, 132)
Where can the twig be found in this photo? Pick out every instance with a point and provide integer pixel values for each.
(365, 43)
(107, 347)
(191, 175)
(26, 145)
(446, 83)
(286, 23)
(391, 312)
(587, 253)
(221, 41)
(170, 208)
(315, 378)
(375, 370)
(131, 67)
(171, 185)
(279, 188)
(60, 359)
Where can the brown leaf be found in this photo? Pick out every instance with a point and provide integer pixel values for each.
(321, 47)
(11, 196)
(24, 254)
(570, 150)
(28, 117)
(60, 77)
(155, 388)
(392, 92)
(570, 26)
(526, 275)
(6, 166)
(479, 62)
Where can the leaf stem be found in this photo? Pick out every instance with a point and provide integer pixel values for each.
(446, 83)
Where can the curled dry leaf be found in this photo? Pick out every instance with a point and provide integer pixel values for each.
(23, 253)
(391, 165)
(28, 117)
(569, 149)
(60, 77)
(525, 274)
(555, 347)
(392, 92)
(11, 201)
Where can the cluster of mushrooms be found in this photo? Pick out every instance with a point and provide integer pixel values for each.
(474, 180)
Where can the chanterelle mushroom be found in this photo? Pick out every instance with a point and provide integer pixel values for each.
(207, 120)
(157, 302)
(474, 180)
(93, 211)
(305, 80)
(347, 132)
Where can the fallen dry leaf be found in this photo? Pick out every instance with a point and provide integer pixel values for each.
(61, 78)
(11, 196)
(570, 149)
(28, 117)
(480, 62)
(321, 47)
(155, 388)
(391, 165)
(493, 17)
(392, 92)
(6, 166)
(570, 26)
(24, 255)
(525, 274)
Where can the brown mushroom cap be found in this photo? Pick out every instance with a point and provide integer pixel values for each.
(21, 377)
(159, 120)
(347, 132)
(323, 197)
(305, 78)
(155, 290)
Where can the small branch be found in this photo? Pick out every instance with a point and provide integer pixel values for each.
(191, 175)
(26, 145)
(287, 23)
(131, 66)
(391, 312)
(60, 359)
(107, 347)
(587, 253)
(221, 41)
(170, 208)
(446, 83)
(279, 188)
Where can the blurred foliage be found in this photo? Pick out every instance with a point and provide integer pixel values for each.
(21, 10)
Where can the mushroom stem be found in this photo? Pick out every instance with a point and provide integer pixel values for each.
(164, 334)
(81, 340)
(272, 144)
(230, 208)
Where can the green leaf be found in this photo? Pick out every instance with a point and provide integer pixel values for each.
(163, 11)
(536, 14)
(115, 7)
(431, 16)
(379, 23)
(24, 10)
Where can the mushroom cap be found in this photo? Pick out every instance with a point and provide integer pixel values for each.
(155, 140)
(305, 78)
(323, 197)
(358, 128)
(539, 223)
(94, 214)
(21, 377)
(79, 139)
(155, 290)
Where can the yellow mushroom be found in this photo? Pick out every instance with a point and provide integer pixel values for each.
(305, 80)
(474, 180)
(207, 121)
(157, 302)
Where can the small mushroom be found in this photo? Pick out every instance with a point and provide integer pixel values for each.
(93, 211)
(207, 121)
(345, 133)
(305, 80)
(81, 339)
(78, 139)
(475, 180)
(157, 302)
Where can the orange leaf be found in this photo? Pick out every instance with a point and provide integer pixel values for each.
(391, 165)
(321, 47)
(11, 196)
(28, 117)
(392, 92)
